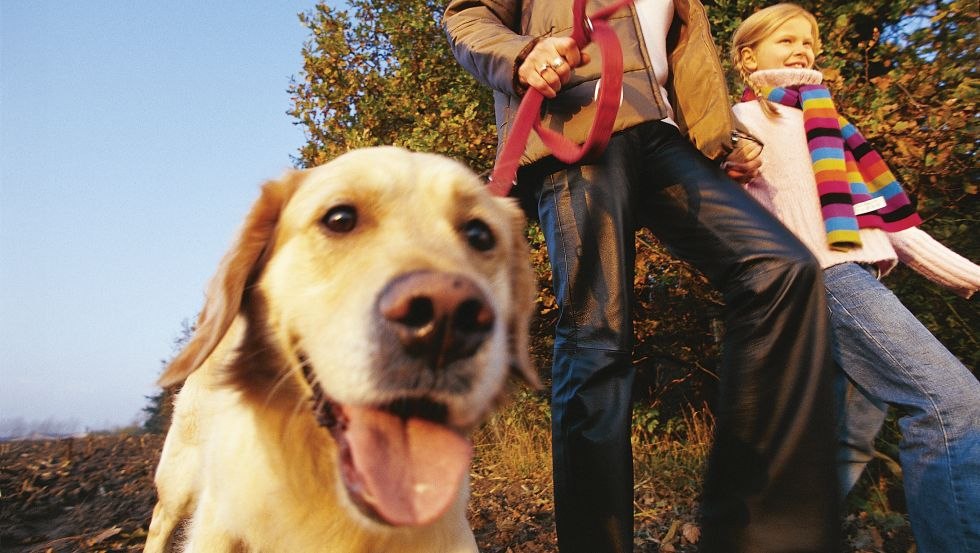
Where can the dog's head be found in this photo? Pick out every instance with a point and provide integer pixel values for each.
(394, 292)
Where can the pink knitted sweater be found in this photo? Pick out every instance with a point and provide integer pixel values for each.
(786, 187)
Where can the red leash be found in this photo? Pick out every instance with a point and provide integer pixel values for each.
(586, 29)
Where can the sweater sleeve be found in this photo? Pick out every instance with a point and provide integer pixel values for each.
(936, 262)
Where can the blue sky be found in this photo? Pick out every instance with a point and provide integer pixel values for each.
(133, 138)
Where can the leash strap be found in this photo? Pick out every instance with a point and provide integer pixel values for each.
(594, 28)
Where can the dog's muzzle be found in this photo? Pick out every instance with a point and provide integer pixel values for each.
(437, 317)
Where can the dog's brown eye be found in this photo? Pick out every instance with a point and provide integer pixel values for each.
(479, 235)
(342, 218)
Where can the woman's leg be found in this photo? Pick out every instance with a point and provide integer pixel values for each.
(859, 419)
(893, 358)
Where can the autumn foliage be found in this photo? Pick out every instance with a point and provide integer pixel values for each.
(380, 72)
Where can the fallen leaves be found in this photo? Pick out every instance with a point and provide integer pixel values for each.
(96, 494)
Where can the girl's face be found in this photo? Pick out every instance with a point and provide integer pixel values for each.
(789, 46)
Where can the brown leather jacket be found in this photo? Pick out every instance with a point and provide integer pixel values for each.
(490, 37)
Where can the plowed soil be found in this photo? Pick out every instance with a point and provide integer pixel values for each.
(96, 494)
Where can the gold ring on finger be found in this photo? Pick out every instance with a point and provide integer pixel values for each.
(557, 62)
(543, 68)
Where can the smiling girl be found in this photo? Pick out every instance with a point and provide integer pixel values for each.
(829, 186)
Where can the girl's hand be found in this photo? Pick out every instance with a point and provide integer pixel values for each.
(743, 163)
(549, 65)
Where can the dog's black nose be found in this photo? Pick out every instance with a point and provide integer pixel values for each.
(437, 316)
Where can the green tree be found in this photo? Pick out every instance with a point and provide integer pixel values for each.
(382, 73)
(904, 72)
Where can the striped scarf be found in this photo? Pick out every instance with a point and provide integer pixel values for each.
(856, 188)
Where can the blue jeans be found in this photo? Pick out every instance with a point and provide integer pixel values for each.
(891, 359)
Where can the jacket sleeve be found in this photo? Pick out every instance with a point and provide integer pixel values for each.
(935, 261)
(482, 37)
(699, 91)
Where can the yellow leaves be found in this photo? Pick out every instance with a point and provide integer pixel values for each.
(689, 534)
(546, 303)
(665, 544)
(901, 126)
(831, 76)
(883, 83)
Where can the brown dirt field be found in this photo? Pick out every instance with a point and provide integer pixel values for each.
(96, 494)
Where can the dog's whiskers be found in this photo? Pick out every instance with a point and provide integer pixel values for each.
(327, 413)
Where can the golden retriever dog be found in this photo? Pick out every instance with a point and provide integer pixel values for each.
(365, 320)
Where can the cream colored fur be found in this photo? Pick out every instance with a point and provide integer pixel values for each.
(245, 466)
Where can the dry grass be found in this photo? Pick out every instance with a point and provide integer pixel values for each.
(668, 464)
(513, 461)
(515, 444)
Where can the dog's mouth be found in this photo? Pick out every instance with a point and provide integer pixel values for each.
(400, 462)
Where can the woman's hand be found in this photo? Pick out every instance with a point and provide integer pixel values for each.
(549, 65)
(743, 163)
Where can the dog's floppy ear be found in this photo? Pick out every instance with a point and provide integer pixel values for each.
(522, 289)
(237, 269)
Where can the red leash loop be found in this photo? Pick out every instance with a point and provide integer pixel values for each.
(610, 86)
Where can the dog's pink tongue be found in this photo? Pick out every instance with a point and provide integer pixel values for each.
(410, 470)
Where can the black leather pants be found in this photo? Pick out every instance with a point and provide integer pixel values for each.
(770, 485)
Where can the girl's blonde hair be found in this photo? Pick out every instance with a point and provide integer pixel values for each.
(756, 28)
